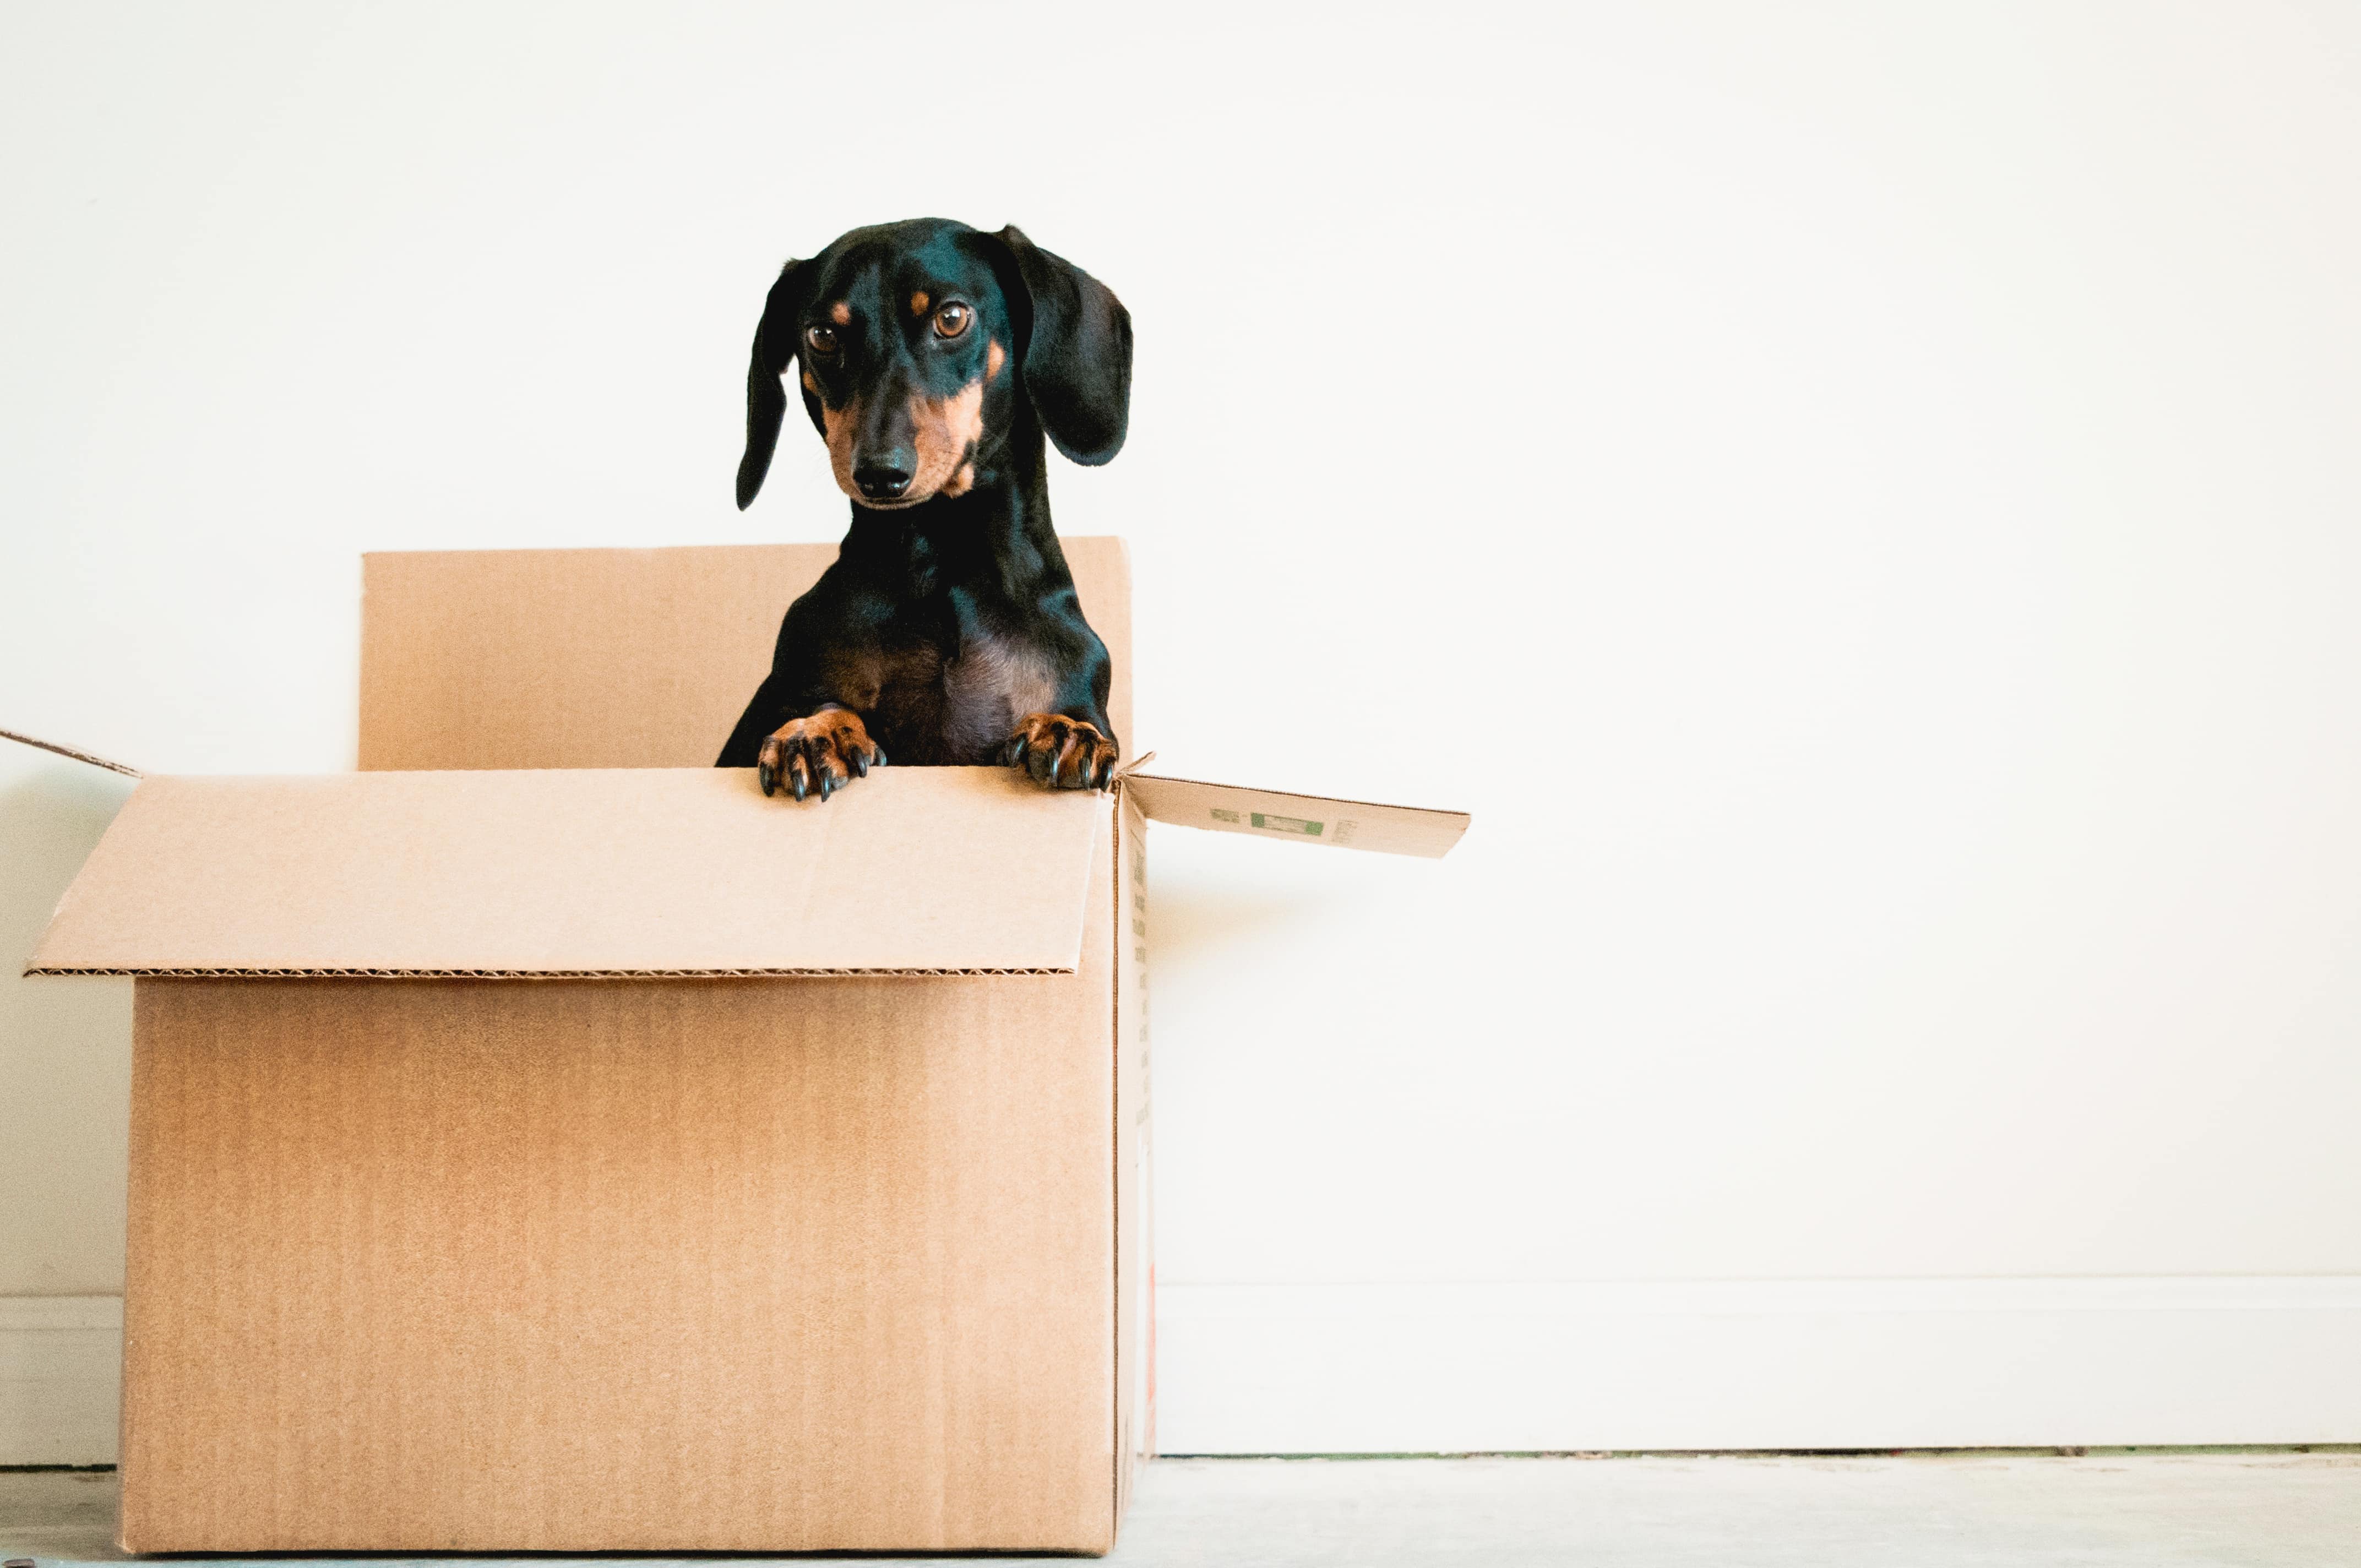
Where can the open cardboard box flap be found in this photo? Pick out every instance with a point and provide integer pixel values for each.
(592, 872)
(632, 871)
(1297, 819)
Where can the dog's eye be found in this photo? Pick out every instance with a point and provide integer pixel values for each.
(821, 338)
(951, 320)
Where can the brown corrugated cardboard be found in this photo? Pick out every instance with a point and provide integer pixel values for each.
(572, 1266)
(682, 871)
(734, 1262)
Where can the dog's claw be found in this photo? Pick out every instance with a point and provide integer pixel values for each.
(1060, 752)
(817, 755)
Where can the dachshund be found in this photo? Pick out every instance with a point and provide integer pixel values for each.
(933, 360)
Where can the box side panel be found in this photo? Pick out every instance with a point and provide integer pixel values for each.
(1134, 1212)
(608, 658)
(745, 1266)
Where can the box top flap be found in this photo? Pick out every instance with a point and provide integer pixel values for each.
(1297, 819)
(661, 872)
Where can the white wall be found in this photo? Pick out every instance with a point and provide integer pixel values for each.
(1858, 500)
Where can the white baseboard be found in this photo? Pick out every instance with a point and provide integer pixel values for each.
(1780, 1364)
(1510, 1368)
(61, 1378)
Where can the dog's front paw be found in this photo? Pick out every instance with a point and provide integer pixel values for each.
(1060, 752)
(820, 754)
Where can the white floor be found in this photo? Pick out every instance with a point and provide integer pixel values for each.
(2249, 1510)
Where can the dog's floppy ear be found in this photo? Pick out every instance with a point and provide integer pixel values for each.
(1076, 356)
(766, 401)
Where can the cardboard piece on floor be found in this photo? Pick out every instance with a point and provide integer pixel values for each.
(788, 1257)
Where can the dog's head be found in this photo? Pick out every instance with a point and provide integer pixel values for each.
(920, 347)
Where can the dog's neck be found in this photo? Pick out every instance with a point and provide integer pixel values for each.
(997, 535)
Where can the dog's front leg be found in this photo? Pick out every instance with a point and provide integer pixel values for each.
(819, 754)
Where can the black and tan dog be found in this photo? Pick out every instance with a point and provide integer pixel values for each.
(934, 358)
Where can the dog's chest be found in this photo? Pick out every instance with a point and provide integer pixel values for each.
(957, 705)
(996, 681)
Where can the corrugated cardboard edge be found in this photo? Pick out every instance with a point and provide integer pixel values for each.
(95, 762)
(531, 974)
(1134, 1412)
(1119, 1437)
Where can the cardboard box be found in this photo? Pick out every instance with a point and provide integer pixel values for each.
(604, 1157)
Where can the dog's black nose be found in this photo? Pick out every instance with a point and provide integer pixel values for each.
(886, 477)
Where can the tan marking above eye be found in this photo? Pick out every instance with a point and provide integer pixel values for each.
(840, 313)
(919, 303)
